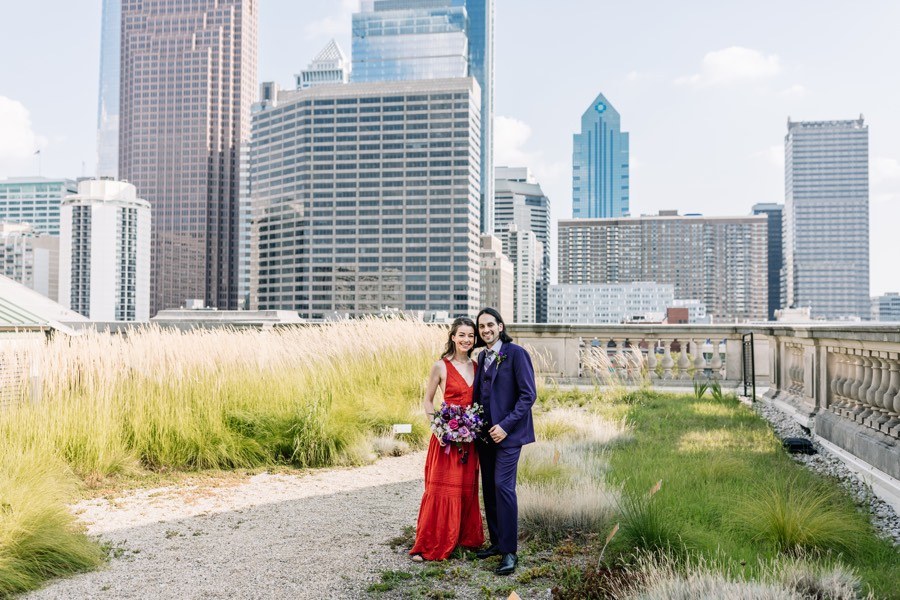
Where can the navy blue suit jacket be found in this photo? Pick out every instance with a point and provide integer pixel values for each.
(513, 393)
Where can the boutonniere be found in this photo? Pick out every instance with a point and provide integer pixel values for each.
(501, 356)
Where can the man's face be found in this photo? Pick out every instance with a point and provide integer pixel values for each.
(488, 329)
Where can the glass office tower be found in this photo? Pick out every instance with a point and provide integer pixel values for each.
(600, 164)
(108, 97)
(187, 82)
(774, 213)
(397, 40)
(826, 218)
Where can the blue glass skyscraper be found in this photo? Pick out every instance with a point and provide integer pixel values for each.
(108, 97)
(600, 164)
(397, 40)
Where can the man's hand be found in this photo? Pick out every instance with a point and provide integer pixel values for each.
(497, 434)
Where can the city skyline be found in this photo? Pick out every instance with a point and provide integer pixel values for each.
(706, 117)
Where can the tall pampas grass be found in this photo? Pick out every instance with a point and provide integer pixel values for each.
(99, 405)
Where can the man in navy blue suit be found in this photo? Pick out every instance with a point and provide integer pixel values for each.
(506, 390)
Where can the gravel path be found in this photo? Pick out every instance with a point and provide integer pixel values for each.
(317, 535)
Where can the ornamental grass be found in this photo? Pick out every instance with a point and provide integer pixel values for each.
(95, 406)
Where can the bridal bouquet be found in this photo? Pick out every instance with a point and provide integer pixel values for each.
(457, 425)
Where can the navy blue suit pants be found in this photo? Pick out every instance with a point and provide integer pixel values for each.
(498, 480)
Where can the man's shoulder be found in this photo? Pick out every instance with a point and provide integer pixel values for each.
(512, 348)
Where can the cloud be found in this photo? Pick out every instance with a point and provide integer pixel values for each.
(18, 140)
(773, 154)
(334, 25)
(734, 65)
(885, 169)
(794, 90)
(511, 138)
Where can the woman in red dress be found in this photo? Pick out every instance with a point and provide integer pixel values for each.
(449, 515)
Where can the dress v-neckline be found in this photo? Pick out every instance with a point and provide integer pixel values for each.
(463, 377)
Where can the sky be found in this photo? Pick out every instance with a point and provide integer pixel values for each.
(705, 89)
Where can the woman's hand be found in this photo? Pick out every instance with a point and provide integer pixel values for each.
(440, 441)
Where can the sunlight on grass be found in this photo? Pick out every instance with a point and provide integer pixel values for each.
(711, 409)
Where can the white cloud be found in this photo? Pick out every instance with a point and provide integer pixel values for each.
(734, 65)
(18, 140)
(774, 155)
(511, 138)
(885, 169)
(794, 90)
(333, 25)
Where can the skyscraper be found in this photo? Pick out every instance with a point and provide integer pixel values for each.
(31, 258)
(525, 253)
(720, 261)
(34, 200)
(497, 276)
(188, 80)
(330, 66)
(365, 198)
(774, 213)
(104, 252)
(432, 39)
(519, 201)
(600, 164)
(108, 98)
(826, 218)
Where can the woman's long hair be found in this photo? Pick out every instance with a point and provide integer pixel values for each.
(450, 349)
(504, 337)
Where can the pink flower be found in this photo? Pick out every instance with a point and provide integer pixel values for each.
(463, 432)
(453, 424)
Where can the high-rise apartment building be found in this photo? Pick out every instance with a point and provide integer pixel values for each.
(826, 218)
(600, 187)
(187, 83)
(497, 276)
(886, 307)
(30, 258)
(774, 213)
(34, 200)
(520, 201)
(329, 67)
(104, 252)
(525, 253)
(721, 261)
(108, 97)
(365, 198)
(397, 40)
(608, 303)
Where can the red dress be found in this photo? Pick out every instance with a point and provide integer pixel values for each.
(449, 515)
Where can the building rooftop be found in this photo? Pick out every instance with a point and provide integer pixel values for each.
(21, 306)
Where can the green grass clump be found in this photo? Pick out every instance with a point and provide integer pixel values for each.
(794, 517)
(38, 536)
(730, 490)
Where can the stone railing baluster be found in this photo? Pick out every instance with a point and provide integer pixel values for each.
(667, 361)
(651, 358)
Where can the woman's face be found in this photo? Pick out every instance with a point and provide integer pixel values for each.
(464, 338)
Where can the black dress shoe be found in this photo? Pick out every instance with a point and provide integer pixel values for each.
(488, 552)
(507, 564)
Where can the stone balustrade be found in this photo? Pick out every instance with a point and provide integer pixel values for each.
(664, 354)
(842, 381)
